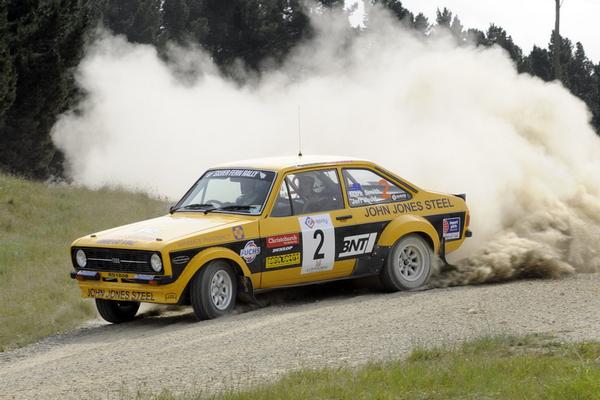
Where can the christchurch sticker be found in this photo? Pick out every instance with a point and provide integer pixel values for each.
(250, 251)
(451, 228)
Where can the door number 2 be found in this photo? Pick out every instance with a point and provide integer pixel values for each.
(318, 243)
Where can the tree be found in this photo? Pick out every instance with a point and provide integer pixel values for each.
(396, 8)
(556, 35)
(596, 100)
(580, 70)
(564, 51)
(138, 20)
(443, 18)
(539, 64)
(46, 42)
(476, 37)
(8, 77)
(497, 35)
(421, 23)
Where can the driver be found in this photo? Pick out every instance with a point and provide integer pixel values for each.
(253, 191)
(306, 191)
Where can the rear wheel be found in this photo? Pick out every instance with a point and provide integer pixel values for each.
(408, 265)
(117, 311)
(213, 290)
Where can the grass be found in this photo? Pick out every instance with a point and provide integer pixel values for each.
(38, 222)
(531, 368)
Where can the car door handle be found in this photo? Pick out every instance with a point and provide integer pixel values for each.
(343, 217)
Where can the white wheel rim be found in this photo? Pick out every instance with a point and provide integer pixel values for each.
(410, 263)
(221, 289)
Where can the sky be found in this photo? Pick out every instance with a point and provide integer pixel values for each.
(529, 22)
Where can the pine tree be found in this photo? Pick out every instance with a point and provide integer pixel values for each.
(539, 64)
(443, 18)
(497, 35)
(46, 41)
(138, 20)
(8, 77)
(421, 23)
(396, 8)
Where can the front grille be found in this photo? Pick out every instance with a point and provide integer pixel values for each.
(117, 260)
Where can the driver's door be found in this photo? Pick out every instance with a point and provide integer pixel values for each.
(300, 243)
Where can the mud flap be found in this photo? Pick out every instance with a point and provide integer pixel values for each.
(246, 292)
(446, 266)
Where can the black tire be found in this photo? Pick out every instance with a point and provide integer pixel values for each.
(408, 265)
(213, 291)
(117, 311)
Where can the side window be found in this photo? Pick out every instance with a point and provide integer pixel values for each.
(283, 205)
(314, 191)
(365, 187)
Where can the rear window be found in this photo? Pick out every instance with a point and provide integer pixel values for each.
(365, 187)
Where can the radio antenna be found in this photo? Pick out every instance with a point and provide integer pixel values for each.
(299, 136)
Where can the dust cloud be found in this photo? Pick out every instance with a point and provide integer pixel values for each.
(450, 118)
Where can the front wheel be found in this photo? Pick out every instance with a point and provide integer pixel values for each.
(213, 290)
(408, 265)
(117, 311)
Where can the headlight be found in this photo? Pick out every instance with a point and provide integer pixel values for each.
(81, 258)
(155, 262)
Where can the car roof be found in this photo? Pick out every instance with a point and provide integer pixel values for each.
(291, 162)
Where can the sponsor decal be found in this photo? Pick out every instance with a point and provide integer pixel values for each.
(283, 260)
(238, 232)
(116, 241)
(250, 251)
(399, 196)
(113, 294)
(282, 240)
(243, 173)
(180, 260)
(451, 228)
(222, 237)
(308, 221)
(358, 244)
(318, 243)
(407, 207)
(171, 296)
(282, 249)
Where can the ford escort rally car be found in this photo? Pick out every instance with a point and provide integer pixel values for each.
(270, 223)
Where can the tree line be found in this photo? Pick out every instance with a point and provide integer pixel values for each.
(42, 43)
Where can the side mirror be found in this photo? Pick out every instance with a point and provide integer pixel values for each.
(172, 208)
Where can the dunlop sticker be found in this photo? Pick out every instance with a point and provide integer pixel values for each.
(283, 260)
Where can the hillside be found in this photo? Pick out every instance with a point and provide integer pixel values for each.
(37, 224)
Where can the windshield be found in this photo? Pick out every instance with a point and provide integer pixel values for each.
(229, 190)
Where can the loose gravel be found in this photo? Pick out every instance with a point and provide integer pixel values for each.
(335, 327)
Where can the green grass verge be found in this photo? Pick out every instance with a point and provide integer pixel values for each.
(38, 222)
(494, 368)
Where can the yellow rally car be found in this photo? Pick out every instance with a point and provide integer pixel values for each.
(268, 223)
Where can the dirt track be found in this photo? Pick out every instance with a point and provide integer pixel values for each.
(347, 327)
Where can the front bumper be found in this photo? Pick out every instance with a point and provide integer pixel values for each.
(94, 285)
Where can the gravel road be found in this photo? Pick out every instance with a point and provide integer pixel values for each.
(327, 326)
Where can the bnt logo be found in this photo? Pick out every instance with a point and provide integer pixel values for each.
(358, 244)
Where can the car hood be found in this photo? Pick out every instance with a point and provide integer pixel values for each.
(163, 230)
